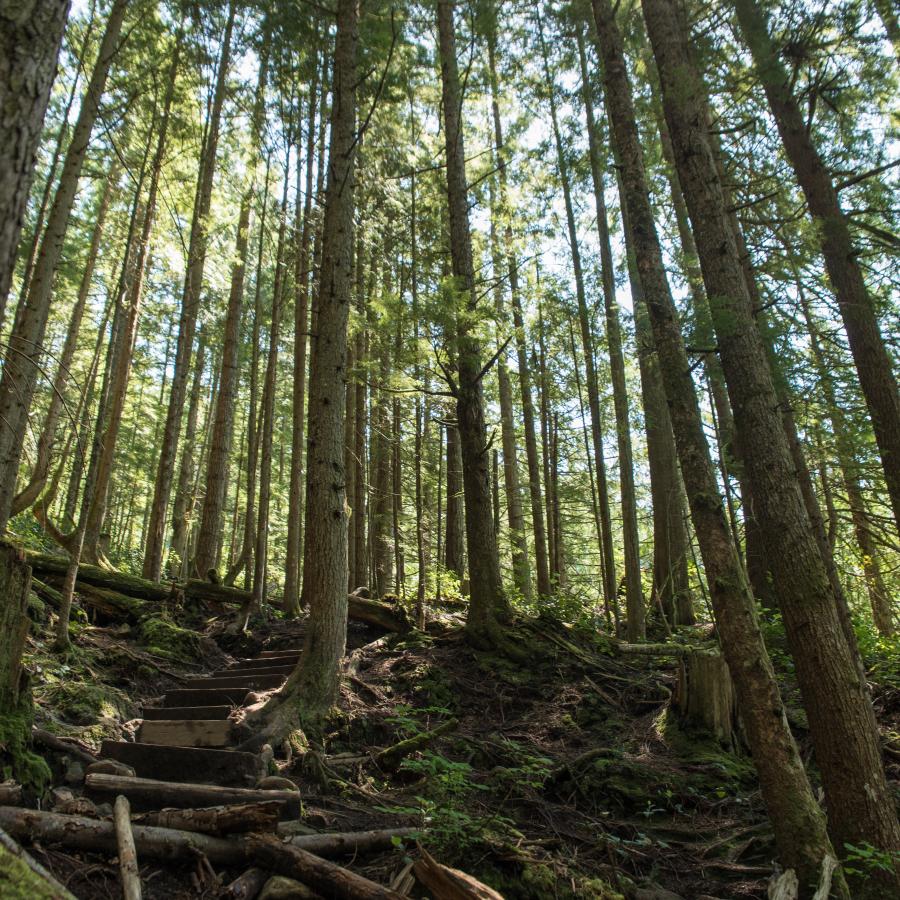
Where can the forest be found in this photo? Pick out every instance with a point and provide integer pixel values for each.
(450, 449)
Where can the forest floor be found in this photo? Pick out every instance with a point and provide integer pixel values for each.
(565, 777)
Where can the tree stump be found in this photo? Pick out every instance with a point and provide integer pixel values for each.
(704, 696)
(16, 710)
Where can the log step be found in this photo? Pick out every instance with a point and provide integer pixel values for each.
(267, 662)
(148, 793)
(284, 671)
(250, 682)
(186, 732)
(185, 764)
(206, 696)
(268, 654)
(185, 713)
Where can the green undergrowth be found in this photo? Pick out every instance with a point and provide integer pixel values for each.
(17, 761)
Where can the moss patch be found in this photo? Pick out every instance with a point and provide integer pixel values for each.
(18, 882)
(16, 758)
(83, 703)
(162, 637)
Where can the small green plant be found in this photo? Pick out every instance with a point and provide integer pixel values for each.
(863, 860)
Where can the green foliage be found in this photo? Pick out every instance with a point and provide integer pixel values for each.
(83, 702)
(18, 882)
(17, 761)
(865, 860)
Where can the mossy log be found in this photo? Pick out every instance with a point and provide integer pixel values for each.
(23, 878)
(117, 593)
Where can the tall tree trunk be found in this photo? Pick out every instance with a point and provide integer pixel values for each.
(543, 386)
(630, 537)
(301, 340)
(633, 594)
(797, 820)
(20, 369)
(531, 450)
(245, 558)
(841, 719)
(514, 512)
(44, 452)
(879, 596)
(183, 505)
(30, 38)
(454, 539)
(313, 687)
(209, 537)
(187, 325)
(267, 412)
(361, 481)
(487, 604)
(873, 363)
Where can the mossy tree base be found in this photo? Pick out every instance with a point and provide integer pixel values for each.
(16, 710)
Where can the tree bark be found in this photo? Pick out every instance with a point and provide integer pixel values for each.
(841, 719)
(544, 587)
(30, 38)
(797, 820)
(313, 686)
(20, 370)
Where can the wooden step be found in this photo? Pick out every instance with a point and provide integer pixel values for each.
(268, 654)
(186, 732)
(284, 671)
(186, 764)
(147, 793)
(206, 696)
(267, 662)
(253, 682)
(190, 713)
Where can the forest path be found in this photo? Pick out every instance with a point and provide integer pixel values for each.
(184, 755)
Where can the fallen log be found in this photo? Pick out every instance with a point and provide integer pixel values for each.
(10, 794)
(128, 865)
(268, 851)
(19, 873)
(313, 871)
(62, 745)
(386, 616)
(350, 843)
(391, 757)
(148, 793)
(445, 883)
(246, 886)
(44, 564)
(217, 820)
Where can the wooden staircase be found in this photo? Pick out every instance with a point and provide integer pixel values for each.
(184, 746)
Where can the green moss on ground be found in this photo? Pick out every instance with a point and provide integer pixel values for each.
(17, 761)
(18, 882)
(162, 637)
(83, 703)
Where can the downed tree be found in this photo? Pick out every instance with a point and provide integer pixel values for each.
(445, 883)
(128, 864)
(315, 872)
(390, 757)
(268, 851)
(117, 593)
(217, 820)
(152, 794)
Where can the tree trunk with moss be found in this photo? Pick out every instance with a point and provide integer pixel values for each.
(313, 686)
(842, 722)
(797, 820)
